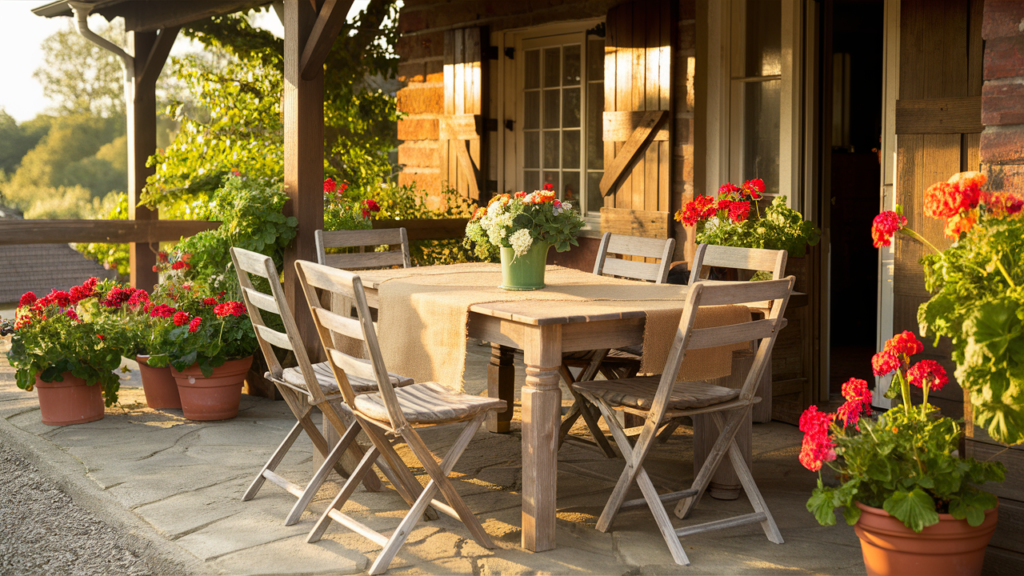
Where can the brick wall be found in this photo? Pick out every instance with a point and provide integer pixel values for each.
(422, 24)
(1002, 97)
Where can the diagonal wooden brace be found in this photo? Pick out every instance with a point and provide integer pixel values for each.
(632, 150)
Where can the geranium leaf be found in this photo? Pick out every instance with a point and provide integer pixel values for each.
(915, 509)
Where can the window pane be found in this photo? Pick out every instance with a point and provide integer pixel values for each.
(571, 108)
(764, 38)
(531, 149)
(595, 200)
(761, 133)
(551, 178)
(595, 139)
(571, 149)
(532, 79)
(552, 71)
(571, 187)
(571, 65)
(531, 107)
(595, 60)
(551, 145)
(531, 180)
(551, 108)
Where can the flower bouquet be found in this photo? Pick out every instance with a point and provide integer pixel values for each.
(727, 222)
(899, 474)
(67, 353)
(522, 227)
(977, 287)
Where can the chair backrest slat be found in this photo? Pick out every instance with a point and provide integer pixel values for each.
(723, 335)
(709, 256)
(395, 237)
(261, 300)
(246, 263)
(315, 277)
(354, 366)
(341, 324)
(634, 246)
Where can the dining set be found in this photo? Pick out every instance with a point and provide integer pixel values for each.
(643, 355)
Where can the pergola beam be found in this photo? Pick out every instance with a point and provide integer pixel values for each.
(329, 23)
(157, 57)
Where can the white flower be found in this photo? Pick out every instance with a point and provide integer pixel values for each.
(521, 241)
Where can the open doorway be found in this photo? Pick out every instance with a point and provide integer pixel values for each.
(855, 56)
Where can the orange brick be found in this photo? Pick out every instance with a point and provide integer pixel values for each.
(418, 129)
(423, 154)
(428, 183)
(421, 99)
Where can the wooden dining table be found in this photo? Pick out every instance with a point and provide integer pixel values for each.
(544, 331)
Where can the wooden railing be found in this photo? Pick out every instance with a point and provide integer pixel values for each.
(107, 231)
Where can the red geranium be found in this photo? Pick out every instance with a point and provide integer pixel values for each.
(817, 447)
(700, 208)
(905, 344)
(549, 186)
(739, 211)
(181, 318)
(229, 309)
(884, 363)
(858, 401)
(209, 301)
(27, 299)
(163, 311)
(193, 326)
(117, 297)
(927, 373)
(885, 226)
(330, 186)
(753, 188)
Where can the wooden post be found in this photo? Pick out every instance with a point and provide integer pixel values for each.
(303, 157)
(140, 111)
(501, 383)
(541, 413)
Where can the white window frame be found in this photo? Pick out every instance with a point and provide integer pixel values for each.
(509, 103)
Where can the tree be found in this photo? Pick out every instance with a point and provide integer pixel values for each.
(16, 140)
(79, 76)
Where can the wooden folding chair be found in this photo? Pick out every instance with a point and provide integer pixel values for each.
(391, 412)
(303, 387)
(622, 362)
(660, 398)
(363, 239)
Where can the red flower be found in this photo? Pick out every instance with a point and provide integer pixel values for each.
(885, 226)
(101, 337)
(156, 268)
(549, 186)
(905, 344)
(739, 211)
(162, 256)
(371, 205)
(927, 372)
(1003, 204)
(229, 309)
(117, 297)
(193, 326)
(884, 363)
(181, 318)
(139, 298)
(27, 299)
(180, 265)
(858, 401)
(79, 293)
(753, 188)
(330, 186)
(817, 447)
(727, 189)
(520, 194)
(73, 315)
(209, 301)
(959, 223)
(696, 210)
(163, 311)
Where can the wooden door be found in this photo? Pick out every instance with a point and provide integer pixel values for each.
(938, 130)
(638, 118)
(463, 146)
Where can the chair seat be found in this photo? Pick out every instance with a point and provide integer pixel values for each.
(325, 378)
(428, 402)
(639, 393)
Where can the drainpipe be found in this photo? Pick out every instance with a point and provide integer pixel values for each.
(82, 10)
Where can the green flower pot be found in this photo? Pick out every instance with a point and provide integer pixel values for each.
(525, 272)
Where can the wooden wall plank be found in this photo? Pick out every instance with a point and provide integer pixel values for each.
(939, 115)
(644, 223)
(638, 95)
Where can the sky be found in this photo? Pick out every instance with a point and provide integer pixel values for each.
(22, 34)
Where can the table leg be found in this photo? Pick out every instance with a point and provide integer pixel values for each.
(501, 384)
(542, 403)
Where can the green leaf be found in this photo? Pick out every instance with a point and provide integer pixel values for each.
(821, 505)
(915, 509)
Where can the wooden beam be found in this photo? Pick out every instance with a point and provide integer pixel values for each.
(108, 231)
(642, 223)
(140, 112)
(632, 150)
(303, 160)
(157, 56)
(149, 16)
(328, 25)
(619, 126)
(939, 116)
(439, 229)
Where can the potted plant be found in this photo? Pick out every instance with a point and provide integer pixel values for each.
(523, 227)
(66, 354)
(913, 501)
(977, 287)
(209, 347)
(727, 221)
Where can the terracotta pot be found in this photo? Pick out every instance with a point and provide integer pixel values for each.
(160, 387)
(69, 402)
(213, 398)
(950, 548)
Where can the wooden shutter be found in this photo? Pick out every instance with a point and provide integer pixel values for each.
(938, 132)
(637, 118)
(463, 151)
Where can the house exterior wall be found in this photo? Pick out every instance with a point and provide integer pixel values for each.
(422, 151)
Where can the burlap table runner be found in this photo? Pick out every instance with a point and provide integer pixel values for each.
(423, 314)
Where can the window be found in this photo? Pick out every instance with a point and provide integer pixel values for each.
(562, 100)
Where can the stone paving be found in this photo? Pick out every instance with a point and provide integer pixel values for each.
(178, 485)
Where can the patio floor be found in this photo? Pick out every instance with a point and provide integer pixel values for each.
(178, 484)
